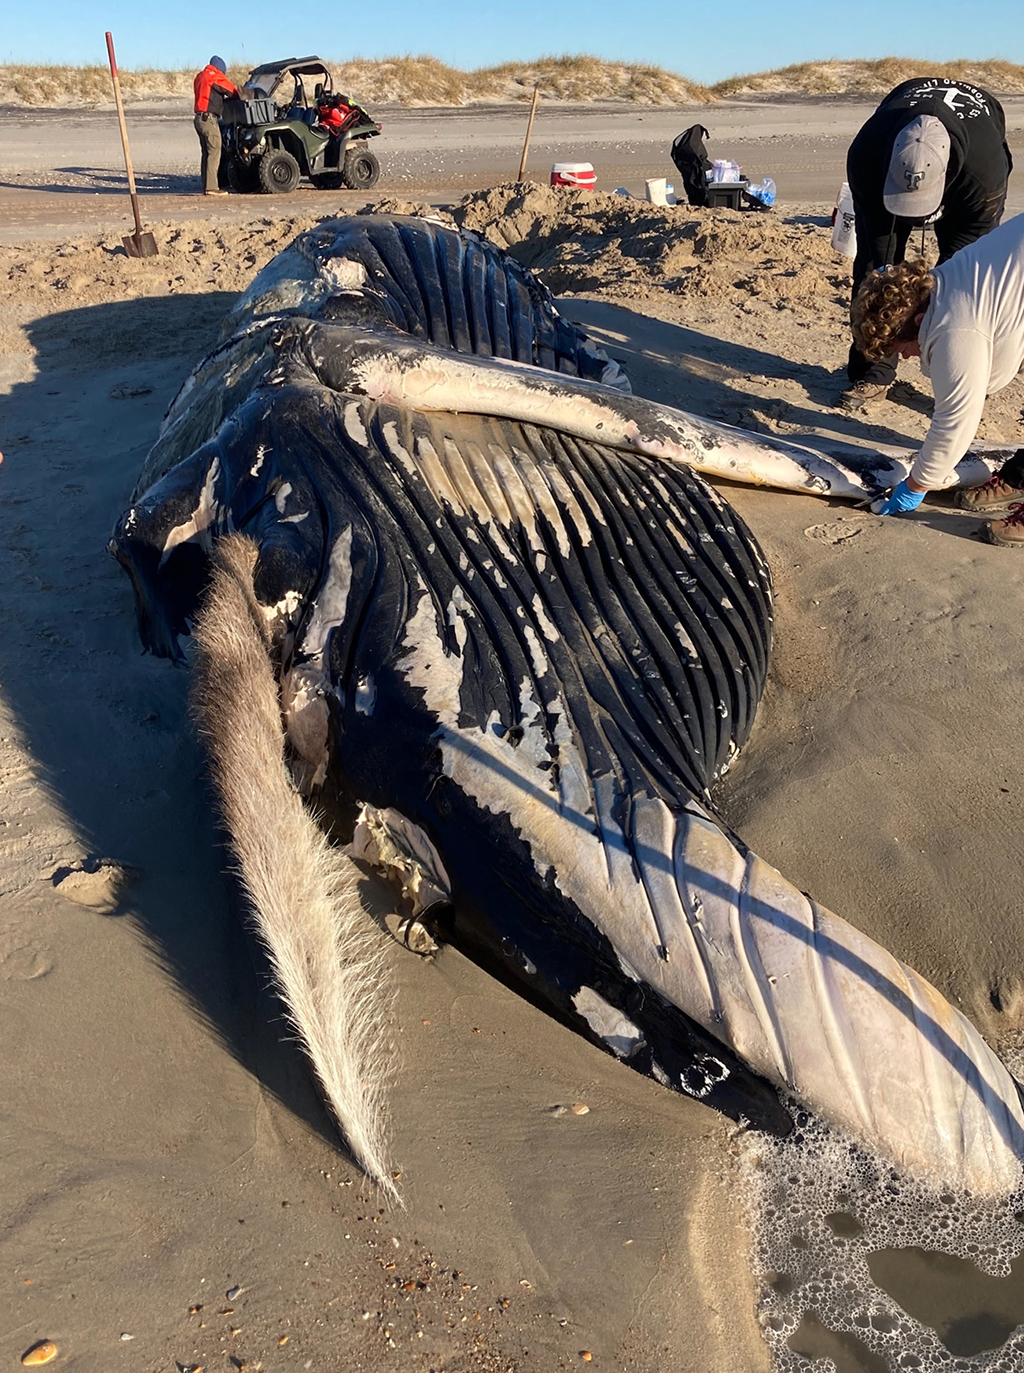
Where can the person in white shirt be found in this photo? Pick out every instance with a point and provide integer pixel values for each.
(965, 320)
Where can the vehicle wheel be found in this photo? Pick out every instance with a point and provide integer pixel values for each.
(361, 170)
(243, 179)
(278, 172)
(328, 181)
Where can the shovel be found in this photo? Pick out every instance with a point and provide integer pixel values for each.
(140, 243)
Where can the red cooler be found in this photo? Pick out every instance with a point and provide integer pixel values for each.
(577, 174)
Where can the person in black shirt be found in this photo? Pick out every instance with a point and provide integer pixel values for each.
(933, 146)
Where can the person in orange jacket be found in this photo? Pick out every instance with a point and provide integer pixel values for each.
(211, 86)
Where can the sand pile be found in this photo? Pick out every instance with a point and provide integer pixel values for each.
(577, 242)
(195, 255)
(200, 268)
(582, 242)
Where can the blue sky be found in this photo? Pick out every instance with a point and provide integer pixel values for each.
(706, 41)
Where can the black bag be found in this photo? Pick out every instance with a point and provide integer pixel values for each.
(691, 160)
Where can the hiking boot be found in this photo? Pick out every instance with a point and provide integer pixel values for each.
(996, 494)
(862, 394)
(1008, 533)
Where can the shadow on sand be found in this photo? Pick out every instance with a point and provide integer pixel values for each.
(90, 180)
(108, 728)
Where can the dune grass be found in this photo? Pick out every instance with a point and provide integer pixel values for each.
(424, 81)
(838, 77)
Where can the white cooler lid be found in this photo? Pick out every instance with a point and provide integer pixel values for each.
(564, 167)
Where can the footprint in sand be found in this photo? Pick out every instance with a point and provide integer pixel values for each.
(835, 531)
(21, 959)
(98, 883)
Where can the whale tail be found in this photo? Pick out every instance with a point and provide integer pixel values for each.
(327, 956)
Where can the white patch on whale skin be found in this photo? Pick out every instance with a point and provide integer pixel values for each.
(281, 496)
(366, 695)
(331, 604)
(261, 453)
(538, 661)
(281, 614)
(397, 448)
(683, 640)
(354, 426)
(615, 1028)
(197, 526)
(403, 851)
(541, 616)
(306, 719)
(458, 607)
(343, 273)
(305, 687)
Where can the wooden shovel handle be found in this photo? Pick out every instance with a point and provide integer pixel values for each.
(124, 133)
(529, 131)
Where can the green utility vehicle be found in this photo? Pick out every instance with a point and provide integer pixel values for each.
(291, 124)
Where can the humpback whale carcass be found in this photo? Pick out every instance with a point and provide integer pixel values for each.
(482, 601)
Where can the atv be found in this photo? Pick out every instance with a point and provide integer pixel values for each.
(289, 123)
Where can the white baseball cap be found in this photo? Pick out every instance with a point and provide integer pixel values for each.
(916, 179)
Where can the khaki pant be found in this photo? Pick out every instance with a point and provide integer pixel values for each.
(208, 129)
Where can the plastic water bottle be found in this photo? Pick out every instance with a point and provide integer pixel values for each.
(764, 191)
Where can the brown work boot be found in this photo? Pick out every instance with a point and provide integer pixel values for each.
(996, 494)
(1008, 533)
(862, 394)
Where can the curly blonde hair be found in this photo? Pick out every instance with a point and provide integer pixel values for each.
(884, 308)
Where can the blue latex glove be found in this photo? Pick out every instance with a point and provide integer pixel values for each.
(899, 501)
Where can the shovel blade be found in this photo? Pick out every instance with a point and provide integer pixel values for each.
(140, 245)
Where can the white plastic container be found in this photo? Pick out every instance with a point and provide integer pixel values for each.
(844, 230)
(724, 170)
(656, 190)
(578, 174)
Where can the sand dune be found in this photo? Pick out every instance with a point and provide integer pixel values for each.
(426, 81)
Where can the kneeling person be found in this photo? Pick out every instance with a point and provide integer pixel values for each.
(965, 321)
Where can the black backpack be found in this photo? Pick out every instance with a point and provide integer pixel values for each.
(691, 160)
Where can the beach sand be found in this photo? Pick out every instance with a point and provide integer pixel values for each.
(168, 1172)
